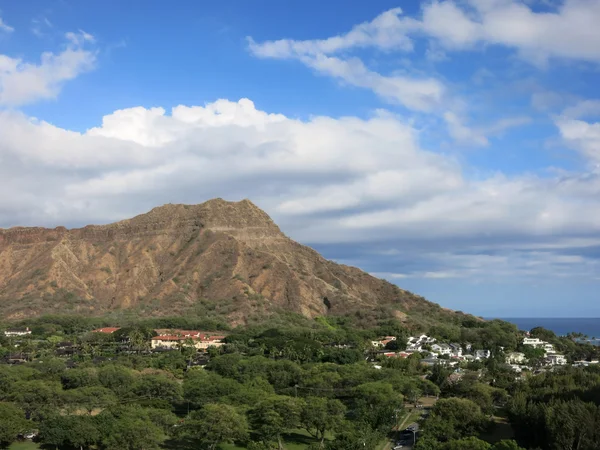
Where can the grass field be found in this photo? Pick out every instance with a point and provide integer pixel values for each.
(27, 445)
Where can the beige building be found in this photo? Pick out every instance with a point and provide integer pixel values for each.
(197, 340)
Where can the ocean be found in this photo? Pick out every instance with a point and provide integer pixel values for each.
(560, 326)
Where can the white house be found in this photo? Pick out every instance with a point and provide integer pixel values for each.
(482, 354)
(556, 359)
(456, 350)
(548, 348)
(441, 349)
(516, 368)
(538, 343)
(585, 363)
(515, 358)
(534, 342)
(17, 332)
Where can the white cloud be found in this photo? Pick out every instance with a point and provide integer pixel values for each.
(387, 32)
(582, 136)
(325, 180)
(23, 82)
(4, 27)
(478, 136)
(568, 32)
(39, 25)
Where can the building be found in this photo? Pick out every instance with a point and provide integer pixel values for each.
(441, 349)
(17, 332)
(456, 350)
(548, 348)
(106, 330)
(515, 358)
(534, 342)
(585, 363)
(196, 339)
(482, 354)
(556, 359)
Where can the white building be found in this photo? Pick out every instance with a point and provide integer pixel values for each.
(441, 349)
(515, 358)
(538, 343)
(17, 332)
(534, 342)
(482, 354)
(456, 350)
(585, 363)
(548, 348)
(556, 359)
(201, 342)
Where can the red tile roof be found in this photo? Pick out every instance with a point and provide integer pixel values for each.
(108, 330)
(168, 338)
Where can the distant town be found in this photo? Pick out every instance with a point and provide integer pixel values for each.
(453, 354)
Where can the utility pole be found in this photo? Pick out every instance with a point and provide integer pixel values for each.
(296, 390)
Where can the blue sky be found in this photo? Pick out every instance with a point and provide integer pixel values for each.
(451, 147)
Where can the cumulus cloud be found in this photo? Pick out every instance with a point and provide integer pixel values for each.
(580, 134)
(325, 180)
(24, 82)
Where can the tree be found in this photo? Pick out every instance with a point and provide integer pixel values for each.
(469, 443)
(12, 422)
(85, 432)
(90, 398)
(273, 416)
(129, 428)
(377, 403)
(202, 387)
(396, 345)
(76, 378)
(157, 386)
(355, 436)
(320, 415)
(413, 395)
(55, 430)
(117, 378)
(215, 424)
(506, 445)
(454, 418)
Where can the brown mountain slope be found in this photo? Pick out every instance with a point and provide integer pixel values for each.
(166, 261)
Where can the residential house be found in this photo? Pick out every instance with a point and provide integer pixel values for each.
(106, 330)
(17, 332)
(515, 358)
(456, 350)
(441, 349)
(556, 359)
(16, 358)
(548, 348)
(585, 363)
(534, 342)
(482, 354)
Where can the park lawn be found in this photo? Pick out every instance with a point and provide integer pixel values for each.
(25, 445)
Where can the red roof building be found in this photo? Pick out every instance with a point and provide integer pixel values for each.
(107, 330)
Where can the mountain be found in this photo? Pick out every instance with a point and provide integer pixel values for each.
(219, 257)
